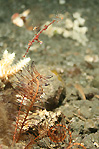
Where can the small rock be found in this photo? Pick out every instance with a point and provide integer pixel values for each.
(54, 92)
(95, 82)
(89, 124)
(61, 2)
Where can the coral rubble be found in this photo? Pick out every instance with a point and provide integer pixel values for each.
(69, 28)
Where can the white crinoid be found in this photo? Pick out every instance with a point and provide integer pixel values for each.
(6, 67)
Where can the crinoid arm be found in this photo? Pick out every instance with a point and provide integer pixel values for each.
(28, 86)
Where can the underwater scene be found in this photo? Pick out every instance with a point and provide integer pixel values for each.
(49, 74)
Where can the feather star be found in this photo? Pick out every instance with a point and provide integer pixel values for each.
(6, 67)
